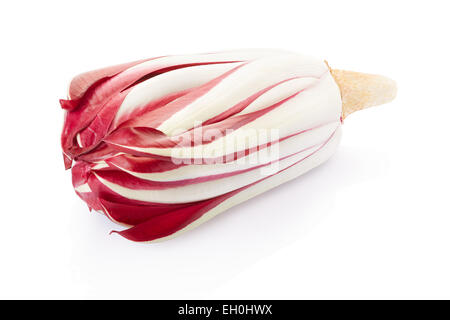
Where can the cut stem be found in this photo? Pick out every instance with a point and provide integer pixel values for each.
(362, 90)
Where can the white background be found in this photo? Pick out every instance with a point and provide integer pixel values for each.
(373, 222)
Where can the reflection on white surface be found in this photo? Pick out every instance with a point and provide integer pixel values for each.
(199, 262)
